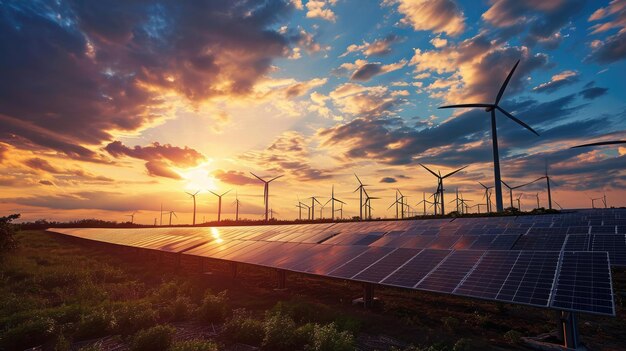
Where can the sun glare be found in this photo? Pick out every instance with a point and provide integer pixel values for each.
(198, 178)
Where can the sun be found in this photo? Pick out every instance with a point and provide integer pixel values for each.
(198, 178)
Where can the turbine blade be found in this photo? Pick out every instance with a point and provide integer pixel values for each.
(273, 179)
(428, 169)
(341, 202)
(227, 192)
(506, 82)
(357, 178)
(259, 178)
(611, 142)
(517, 120)
(458, 170)
(466, 105)
(214, 193)
(505, 184)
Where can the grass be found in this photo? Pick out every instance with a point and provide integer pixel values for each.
(58, 292)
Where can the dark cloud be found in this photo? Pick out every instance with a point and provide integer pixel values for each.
(73, 71)
(367, 72)
(46, 182)
(388, 180)
(612, 48)
(41, 165)
(234, 177)
(159, 157)
(592, 93)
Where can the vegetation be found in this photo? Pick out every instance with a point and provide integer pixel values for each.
(60, 293)
(7, 233)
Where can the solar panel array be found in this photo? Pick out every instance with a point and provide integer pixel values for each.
(558, 261)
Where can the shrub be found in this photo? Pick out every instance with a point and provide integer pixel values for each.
(241, 327)
(450, 323)
(512, 336)
(463, 344)
(97, 323)
(213, 307)
(134, 316)
(30, 333)
(7, 233)
(157, 338)
(179, 309)
(279, 332)
(328, 338)
(348, 323)
(194, 345)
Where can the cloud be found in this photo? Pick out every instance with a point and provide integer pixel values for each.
(558, 81)
(234, 177)
(357, 100)
(593, 92)
(367, 71)
(318, 9)
(41, 164)
(160, 157)
(290, 153)
(439, 42)
(612, 48)
(474, 69)
(388, 180)
(114, 63)
(380, 47)
(46, 182)
(437, 16)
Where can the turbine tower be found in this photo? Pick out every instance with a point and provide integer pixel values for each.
(313, 201)
(132, 217)
(486, 196)
(236, 203)
(360, 189)
(517, 187)
(193, 196)
(491, 108)
(440, 188)
(332, 203)
(172, 213)
(219, 204)
(266, 192)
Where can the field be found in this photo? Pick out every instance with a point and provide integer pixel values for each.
(63, 294)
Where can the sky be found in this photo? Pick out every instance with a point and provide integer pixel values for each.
(109, 108)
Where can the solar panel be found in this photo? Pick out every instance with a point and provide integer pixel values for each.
(614, 244)
(361, 262)
(577, 242)
(449, 273)
(487, 278)
(531, 278)
(415, 269)
(547, 242)
(387, 265)
(483, 242)
(584, 283)
(503, 242)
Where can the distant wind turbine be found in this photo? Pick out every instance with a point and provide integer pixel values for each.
(172, 213)
(368, 204)
(517, 187)
(440, 188)
(266, 191)
(494, 134)
(424, 202)
(313, 201)
(547, 177)
(537, 195)
(486, 196)
(332, 202)
(193, 196)
(360, 189)
(519, 204)
(236, 203)
(132, 217)
(340, 209)
(219, 204)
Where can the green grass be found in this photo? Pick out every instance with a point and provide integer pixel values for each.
(57, 292)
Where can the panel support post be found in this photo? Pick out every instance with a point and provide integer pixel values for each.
(282, 279)
(568, 329)
(233, 270)
(368, 295)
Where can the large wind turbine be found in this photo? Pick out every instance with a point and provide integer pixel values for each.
(440, 188)
(360, 189)
(332, 202)
(219, 204)
(547, 177)
(313, 201)
(266, 192)
(193, 196)
(494, 134)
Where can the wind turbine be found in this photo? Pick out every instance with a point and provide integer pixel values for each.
(486, 196)
(537, 195)
(440, 188)
(332, 202)
(548, 185)
(519, 204)
(403, 202)
(132, 217)
(236, 203)
(517, 187)
(610, 142)
(494, 134)
(396, 204)
(172, 213)
(161, 219)
(424, 201)
(266, 191)
(313, 201)
(368, 204)
(193, 196)
(340, 209)
(560, 207)
(219, 206)
(360, 189)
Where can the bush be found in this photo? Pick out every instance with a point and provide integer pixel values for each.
(97, 323)
(279, 332)
(194, 345)
(463, 345)
(213, 307)
(134, 316)
(30, 333)
(157, 338)
(328, 338)
(450, 323)
(244, 329)
(512, 336)
(7, 233)
(179, 309)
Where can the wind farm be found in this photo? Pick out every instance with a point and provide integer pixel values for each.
(312, 175)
